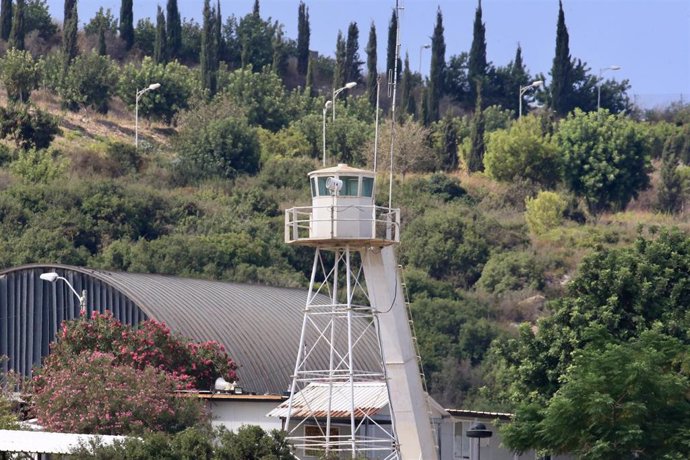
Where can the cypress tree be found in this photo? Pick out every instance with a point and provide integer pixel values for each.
(424, 109)
(173, 29)
(69, 37)
(372, 74)
(518, 78)
(255, 10)
(17, 33)
(475, 161)
(670, 194)
(209, 54)
(561, 71)
(303, 35)
(161, 46)
(392, 45)
(309, 80)
(476, 69)
(127, 23)
(218, 32)
(437, 72)
(5, 19)
(102, 47)
(406, 89)
(340, 52)
(352, 62)
(69, 9)
(449, 161)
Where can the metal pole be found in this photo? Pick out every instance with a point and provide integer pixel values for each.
(520, 105)
(599, 91)
(324, 136)
(136, 120)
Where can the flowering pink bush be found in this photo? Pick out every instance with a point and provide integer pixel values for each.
(95, 395)
(152, 344)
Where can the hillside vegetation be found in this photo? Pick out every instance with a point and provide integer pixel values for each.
(538, 250)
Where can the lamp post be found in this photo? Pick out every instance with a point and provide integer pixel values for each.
(52, 277)
(151, 87)
(349, 85)
(523, 90)
(601, 73)
(478, 431)
(326, 106)
(421, 48)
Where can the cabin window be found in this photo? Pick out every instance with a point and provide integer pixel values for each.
(323, 191)
(313, 187)
(367, 186)
(350, 185)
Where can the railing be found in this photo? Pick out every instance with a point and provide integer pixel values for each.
(342, 222)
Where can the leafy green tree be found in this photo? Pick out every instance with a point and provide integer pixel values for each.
(160, 48)
(29, 127)
(544, 212)
(174, 29)
(561, 87)
(37, 17)
(512, 271)
(102, 20)
(303, 35)
(209, 55)
(605, 158)
(90, 82)
(102, 46)
(372, 73)
(145, 36)
(352, 60)
(20, 74)
(392, 50)
(475, 159)
(261, 96)
(309, 85)
(406, 97)
(178, 83)
(477, 64)
(18, 29)
(457, 83)
(38, 166)
(70, 48)
(127, 23)
(191, 41)
(525, 151)
(438, 65)
(340, 71)
(670, 193)
(5, 19)
(412, 151)
(255, 37)
(445, 139)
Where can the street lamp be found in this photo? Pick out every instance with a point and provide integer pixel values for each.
(523, 90)
(601, 72)
(151, 87)
(326, 106)
(349, 85)
(478, 431)
(421, 48)
(52, 277)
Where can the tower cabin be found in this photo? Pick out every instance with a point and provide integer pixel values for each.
(343, 211)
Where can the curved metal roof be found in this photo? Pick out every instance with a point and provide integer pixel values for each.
(258, 325)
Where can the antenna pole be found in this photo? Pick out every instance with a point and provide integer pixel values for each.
(376, 130)
(395, 87)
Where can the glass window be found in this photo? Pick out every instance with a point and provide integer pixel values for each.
(350, 185)
(367, 186)
(323, 191)
(313, 187)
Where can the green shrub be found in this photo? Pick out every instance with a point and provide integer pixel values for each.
(29, 127)
(90, 82)
(19, 74)
(287, 172)
(544, 212)
(38, 166)
(512, 271)
(125, 156)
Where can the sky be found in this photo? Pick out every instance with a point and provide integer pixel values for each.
(648, 39)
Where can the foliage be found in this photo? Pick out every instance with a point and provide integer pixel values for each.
(303, 35)
(29, 127)
(372, 73)
(38, 166)
(19, 74)
(8, 420)
(37, 17)
(544, 212)
(5, 19)
(90, 82)
(352, 62)
(438, 67)
(525, 151)
(605, 158)
(18, 31)
(255, 38)
(178, 83)
(412, 152)
(104, 398)
(475, 157)
(209, 51)
(127, 23)
(561, 87)
(173, 29)
(103, 20)
(670, 190)
(477, 65)
(70, 30)
(160, 48)
(392, 48)
(512, 271)
(145, 36)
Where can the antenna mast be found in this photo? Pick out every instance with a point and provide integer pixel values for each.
(394, 79)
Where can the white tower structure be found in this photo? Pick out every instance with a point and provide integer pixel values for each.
(355, 308)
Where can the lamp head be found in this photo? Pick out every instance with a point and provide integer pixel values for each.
(153, 86)
(328, 105)
(51, 277)
(537, 84)
(351, 85)
(615, 67)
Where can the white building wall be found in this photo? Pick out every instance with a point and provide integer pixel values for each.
(234, 414)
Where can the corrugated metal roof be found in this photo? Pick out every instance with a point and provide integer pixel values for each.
(39, 442)
(258, 325)
(313, 400)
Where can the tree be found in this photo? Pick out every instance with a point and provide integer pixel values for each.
(670, 194)
(412, 152)
(174, 29)
(20, 74)
(102, 46)
(29, 127)
(392, 51)
(561, 87)
(372, 73)
(340, 72)
(477, 65)
(261, 96)
(161, 47)
(5, 19)
(475, 159)
(525, 151)
(70, 47)
(127, 23)
(446, 142)
(255, 38)
(145, 36)
(309, 80)
(352, 61)
(544, 212)
(303, 35)
(90, 82)
(37, 17)
(209, 52)
(406, 99)
(438, 64)
(102, 20)
(605, 158)
(18, 31)
(456, 81)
